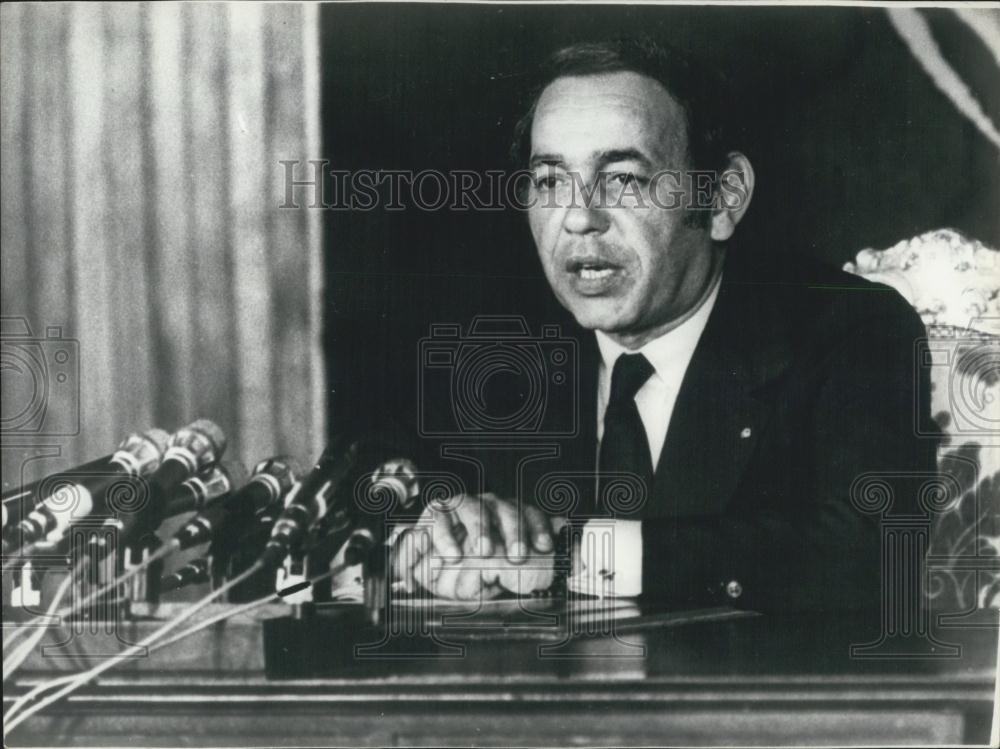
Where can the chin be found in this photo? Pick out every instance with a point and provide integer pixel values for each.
(597, 316)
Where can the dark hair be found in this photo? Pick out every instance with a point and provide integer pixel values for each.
(698, 89)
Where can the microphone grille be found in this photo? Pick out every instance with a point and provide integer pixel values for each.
(284, 468)
(158, 437)
(211, 431)
(198, 445)
(141, 452)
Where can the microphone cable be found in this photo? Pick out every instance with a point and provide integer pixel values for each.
(17, 656)
(204, 488)
(13, 631)
(123, 578)
(79, 680)
(72, 682)
(249, 606)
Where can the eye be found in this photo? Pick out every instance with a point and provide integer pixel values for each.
(624, 178)
(548, 180)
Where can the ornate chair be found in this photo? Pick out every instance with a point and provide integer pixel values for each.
(953, 282)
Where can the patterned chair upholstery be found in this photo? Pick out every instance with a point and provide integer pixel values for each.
(953, 282)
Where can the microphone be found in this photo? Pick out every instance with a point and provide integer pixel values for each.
(231, 552)
(70, 495)
(271, 480)
(28, 493)
(359, 546)
(232, 549)
(393, 486)
(196, 571)
(236, 550)
(145, 549)
(190, 450)
(32, 493)
(321, 495)
(206, 489)
(309, 500)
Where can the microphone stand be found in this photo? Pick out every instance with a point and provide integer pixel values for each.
(145, 587)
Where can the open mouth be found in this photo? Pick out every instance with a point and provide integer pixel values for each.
(594, 276)
(592, 269)
(595, 272)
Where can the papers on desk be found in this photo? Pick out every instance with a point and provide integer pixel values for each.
(549, 617)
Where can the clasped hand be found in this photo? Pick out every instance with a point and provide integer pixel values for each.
(476, 547)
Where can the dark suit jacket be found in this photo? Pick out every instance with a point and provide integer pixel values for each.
(804, 384)
(821, 368)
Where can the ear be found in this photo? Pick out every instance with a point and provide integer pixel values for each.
(733, 196)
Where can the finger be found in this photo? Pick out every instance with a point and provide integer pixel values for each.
(511, 529)
(523, 580)
(424, 570)
(442, 520)
(469, 584)
(507, 578)
(539, 530)
(403, 555)
(446, 583)
(477, 528)
(422, 576)
(492, 590)
(422, 559)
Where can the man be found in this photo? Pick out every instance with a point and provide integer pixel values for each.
(747, 393)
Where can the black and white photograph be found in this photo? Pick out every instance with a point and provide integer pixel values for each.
(500, 374)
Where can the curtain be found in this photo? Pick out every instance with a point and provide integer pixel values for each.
(149, 275)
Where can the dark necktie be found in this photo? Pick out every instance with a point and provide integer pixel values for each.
(624, 448)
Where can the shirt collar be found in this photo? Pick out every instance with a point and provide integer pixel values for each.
(672, 349)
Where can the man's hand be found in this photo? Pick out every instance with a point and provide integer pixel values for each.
(477, 546)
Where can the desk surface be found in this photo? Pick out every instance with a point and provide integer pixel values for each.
(742, 680)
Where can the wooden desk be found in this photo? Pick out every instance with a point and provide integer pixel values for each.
(746, 681)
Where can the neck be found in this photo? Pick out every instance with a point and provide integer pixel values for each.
(635, 341)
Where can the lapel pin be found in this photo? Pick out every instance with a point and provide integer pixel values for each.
(745, 434)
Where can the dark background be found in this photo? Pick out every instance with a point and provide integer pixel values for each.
(852, 144)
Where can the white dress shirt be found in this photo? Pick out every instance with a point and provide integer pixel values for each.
(670, 355)
(611, 551)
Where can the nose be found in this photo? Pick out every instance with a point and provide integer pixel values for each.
(584, 218)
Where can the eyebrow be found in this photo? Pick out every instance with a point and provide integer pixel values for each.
(545, 158)
(622, 154)
(602, 157)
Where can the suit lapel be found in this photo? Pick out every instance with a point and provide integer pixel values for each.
(719, 413)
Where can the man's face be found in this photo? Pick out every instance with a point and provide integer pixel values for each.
(624, 265)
